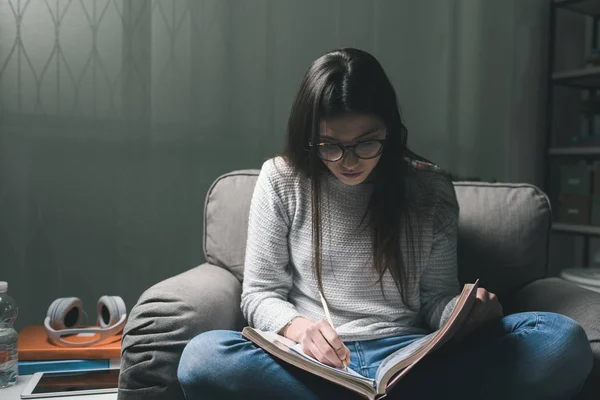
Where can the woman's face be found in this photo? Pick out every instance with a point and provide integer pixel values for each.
(350, 130)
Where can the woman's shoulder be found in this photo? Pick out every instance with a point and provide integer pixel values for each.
(280, 175)
(429, 177)
(278, 169)
(432, 188)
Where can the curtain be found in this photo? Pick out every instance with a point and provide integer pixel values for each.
(117, 115)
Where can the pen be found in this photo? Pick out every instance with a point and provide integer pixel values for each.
(330, 321)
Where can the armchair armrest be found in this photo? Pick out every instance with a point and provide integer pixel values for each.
(162, 322)
(562, 297)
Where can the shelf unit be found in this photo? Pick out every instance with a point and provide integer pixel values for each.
(586, 7)
(587, 79)
(577, 229)
(592, 151)
(583, 78)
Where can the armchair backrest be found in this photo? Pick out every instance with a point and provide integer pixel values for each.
(503, 230)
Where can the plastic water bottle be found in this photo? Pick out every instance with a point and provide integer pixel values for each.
(8, 338)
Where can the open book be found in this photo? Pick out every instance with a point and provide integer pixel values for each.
(391, 369)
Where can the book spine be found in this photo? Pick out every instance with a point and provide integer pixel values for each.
(37, 355)
(31, 367)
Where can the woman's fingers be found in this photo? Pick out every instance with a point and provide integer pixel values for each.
(327, 351)
(486, 309)
(334, 341)
(311, 349)
(315, 344)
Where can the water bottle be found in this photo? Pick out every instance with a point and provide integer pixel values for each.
(8, 338)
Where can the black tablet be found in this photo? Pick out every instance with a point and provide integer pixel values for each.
(71, 383)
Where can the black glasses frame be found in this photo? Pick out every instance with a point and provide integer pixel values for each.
(343, 148)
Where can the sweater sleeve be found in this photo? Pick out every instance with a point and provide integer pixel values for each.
(268, 275)
(439, 286)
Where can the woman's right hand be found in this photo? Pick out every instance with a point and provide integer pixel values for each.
(320, 341)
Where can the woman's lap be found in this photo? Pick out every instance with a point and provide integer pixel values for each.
(524, 355)
(527, 355)
(223, 364)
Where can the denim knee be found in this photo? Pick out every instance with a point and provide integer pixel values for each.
(579, 356)
(193, 370)
(573, 355)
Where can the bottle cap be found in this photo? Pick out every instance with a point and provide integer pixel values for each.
(3, 287)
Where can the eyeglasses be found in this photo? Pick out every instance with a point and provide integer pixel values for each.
(364, 150)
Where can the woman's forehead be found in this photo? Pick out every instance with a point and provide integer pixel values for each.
(349, 126)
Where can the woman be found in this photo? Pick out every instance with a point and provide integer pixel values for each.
(348, 211)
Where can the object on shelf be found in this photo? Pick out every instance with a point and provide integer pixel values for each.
(584, 141)
(34, 345)
(574, 209)
(593, 59)
(575, 179)
(31, 367)
(596, 175)
(591, 105)
(588, 278)
(595, 220)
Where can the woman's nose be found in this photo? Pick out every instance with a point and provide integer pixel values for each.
(349, 160)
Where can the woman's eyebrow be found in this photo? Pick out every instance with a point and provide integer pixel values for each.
(367, 133)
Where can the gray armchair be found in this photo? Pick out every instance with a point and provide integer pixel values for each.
(503, 241)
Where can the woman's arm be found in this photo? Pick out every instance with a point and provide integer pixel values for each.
(439, 286)
(268, 275)
(268, 278)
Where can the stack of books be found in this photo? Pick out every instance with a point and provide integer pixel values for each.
(38, 354)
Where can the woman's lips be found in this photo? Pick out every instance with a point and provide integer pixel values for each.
(351, 174)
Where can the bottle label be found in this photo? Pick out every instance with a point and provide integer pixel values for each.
(8, 353)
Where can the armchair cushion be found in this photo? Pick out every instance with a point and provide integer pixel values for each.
(226, 212)
(503, 235)
(164, 319)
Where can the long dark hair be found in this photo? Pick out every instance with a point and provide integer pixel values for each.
(345, 81)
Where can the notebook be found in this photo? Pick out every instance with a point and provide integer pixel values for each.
(34, 345)
(391, 369)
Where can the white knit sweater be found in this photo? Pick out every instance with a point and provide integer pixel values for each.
(279, 283)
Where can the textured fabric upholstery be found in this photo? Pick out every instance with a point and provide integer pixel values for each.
(164, 319)
(226, 220)
(503, 234)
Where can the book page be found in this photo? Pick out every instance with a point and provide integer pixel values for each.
(296, 348)
(402, 354)
(395, 370)
(390, 371)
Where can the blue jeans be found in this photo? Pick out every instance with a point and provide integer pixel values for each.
(523, 356)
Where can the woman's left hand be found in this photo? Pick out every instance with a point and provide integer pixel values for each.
(486, 309)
